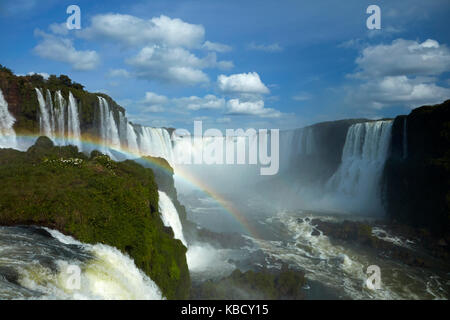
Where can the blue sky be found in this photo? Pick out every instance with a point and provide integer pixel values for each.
(263, 64)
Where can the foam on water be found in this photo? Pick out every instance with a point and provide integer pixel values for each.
(105, 272)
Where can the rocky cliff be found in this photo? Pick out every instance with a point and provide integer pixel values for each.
(417, 173)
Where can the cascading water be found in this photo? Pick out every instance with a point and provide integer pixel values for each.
(59, 113)
(7, 133)
(295, 143)
(44, 116)
(155, 142)
(108, 128)
(73, 121)
(170, 216)
(35, 265)
(358, 177)
(132, 141)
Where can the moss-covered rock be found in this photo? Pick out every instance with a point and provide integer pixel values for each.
(96, 200)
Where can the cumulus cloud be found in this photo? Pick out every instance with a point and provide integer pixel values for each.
(118, 73)
(61, 49)
(403, 73)
(215, 46)
(256, 108)
(195, 103)
(176, 65)
(399, 90)
(274, 47)
(130, 30)
(242, 83)
(153, 98)
(403, 57)
(59, 28)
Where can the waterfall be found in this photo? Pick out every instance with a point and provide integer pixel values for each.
(155, 142)
(295, 143)
(46, 266)
(132, 142)
(59, 120)
(73, 121)
(44, 116)
(170, 216)
(358, 177)
(60, 116)
(109, 132)
(7, 133)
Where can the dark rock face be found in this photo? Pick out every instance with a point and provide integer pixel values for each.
(431, 254)
(417, 174)
(329, 138)
(285, 284)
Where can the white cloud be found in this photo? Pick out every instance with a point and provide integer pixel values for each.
(61, 49)
(403, 73)
(242, 83)
(399, 90)
(256, 108)
(403, 57)
(196, 103)
(215, 46)
(134, 31)
(59, 28)
(118, 73)
(153, 98)
(274, 47)
(176, 65)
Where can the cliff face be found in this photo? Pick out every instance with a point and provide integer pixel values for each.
(417, 173)
(20, 93)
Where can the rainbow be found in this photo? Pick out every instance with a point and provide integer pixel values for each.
(96, 143)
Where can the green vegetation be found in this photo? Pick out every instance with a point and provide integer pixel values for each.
(96, 200)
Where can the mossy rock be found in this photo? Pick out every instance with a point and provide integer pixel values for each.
(95, 200)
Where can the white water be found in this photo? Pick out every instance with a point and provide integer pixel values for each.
(155, 142)
(44, 115)
(109, 132)
(74, 122)
(343, 267)
(60, 114)
(106, 273)
(356, 183)
(169, 216)
(7, 133)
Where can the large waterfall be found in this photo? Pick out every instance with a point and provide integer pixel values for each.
(7, 133)
(358, 178)
(60, 121)
(170, 216)
(295, 143)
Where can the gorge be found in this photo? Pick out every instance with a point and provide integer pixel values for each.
(390, 170)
